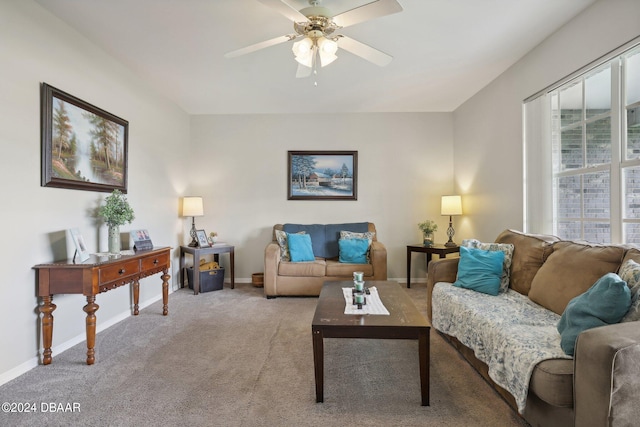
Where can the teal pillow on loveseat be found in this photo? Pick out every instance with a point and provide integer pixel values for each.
(300, 247)
(605, 303)
(353, 251)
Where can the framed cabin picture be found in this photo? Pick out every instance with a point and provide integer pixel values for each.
(322, 175)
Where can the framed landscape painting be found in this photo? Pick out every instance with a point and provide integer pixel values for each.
(83, 146)
(322, 175)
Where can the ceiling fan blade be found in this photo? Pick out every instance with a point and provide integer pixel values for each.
(303, 71)
(285, 9)
(366, 12)
(261, 45)
(364, 51)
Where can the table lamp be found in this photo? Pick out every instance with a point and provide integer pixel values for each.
(192, 206)
(451, 205)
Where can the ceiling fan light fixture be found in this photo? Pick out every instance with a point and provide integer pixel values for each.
(327, 59)
(327, 49)
(302, 47)
(305, 56)
(327, 46)
(306, 60)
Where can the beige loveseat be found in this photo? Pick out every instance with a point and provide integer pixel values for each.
(283, 277)
(600, 385)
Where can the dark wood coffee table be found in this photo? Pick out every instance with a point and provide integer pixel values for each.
(403, 322)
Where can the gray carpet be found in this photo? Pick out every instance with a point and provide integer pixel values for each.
(234, 358)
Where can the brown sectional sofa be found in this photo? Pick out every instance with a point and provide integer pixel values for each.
(600, 385)
(306, 278)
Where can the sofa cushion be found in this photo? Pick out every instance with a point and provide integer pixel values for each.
(508, 332)
(300, 247)
(315, 268)
(354, 250)
(480, 270)
(605, 303)
(342, 269)
(552, 381)
(530, 251)
(506, 248)
(570, 270)
(324, 238)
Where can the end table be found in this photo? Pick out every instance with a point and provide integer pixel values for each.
(441, 250)
(197, 252)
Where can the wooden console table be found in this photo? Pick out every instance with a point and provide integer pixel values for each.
(91, 277)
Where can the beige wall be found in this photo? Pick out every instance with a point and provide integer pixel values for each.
(488, 127)
(36, 47)
(404, 166)
(238, 164)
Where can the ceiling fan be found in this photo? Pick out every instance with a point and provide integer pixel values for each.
(315, 31)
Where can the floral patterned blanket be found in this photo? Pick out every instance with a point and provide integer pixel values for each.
(508, 332)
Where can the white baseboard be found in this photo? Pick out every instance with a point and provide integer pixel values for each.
(393, 279)
(404, 280)
(9, 375)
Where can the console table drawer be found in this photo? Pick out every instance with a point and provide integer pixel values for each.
(155, 261)
(119, 271)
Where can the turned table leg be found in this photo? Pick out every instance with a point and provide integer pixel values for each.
(136, 296)
(91, 309)
(165, 293)
(46, 309)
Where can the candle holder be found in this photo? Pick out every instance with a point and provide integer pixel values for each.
(364, 290)
(359, 300)
(358, 286)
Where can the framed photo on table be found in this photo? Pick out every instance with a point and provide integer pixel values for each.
(81, 247)
(141, 240)
(203, 242)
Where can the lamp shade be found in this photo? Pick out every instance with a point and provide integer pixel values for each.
(451, 205)
(192, 206)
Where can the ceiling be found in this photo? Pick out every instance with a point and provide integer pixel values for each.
(444, 51)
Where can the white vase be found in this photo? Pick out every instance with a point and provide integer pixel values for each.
(114, 239)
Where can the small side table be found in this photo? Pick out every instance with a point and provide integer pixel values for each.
(441, 250)
(198, 252)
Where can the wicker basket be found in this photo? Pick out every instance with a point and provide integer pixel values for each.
(257, 279)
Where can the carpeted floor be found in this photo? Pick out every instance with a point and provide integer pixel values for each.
(234, 358)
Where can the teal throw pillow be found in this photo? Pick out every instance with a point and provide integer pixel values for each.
(605, 303)
(353, 251)
(480, 270)
(300, 247)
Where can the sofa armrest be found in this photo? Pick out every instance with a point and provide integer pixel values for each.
(440, 270)
(378, 255)
(271, 262)
(607, 376)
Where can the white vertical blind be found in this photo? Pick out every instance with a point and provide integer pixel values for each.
(538, 200)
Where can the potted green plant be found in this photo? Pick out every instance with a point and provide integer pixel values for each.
(115, 212)
(213, 237)
(428, 227)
